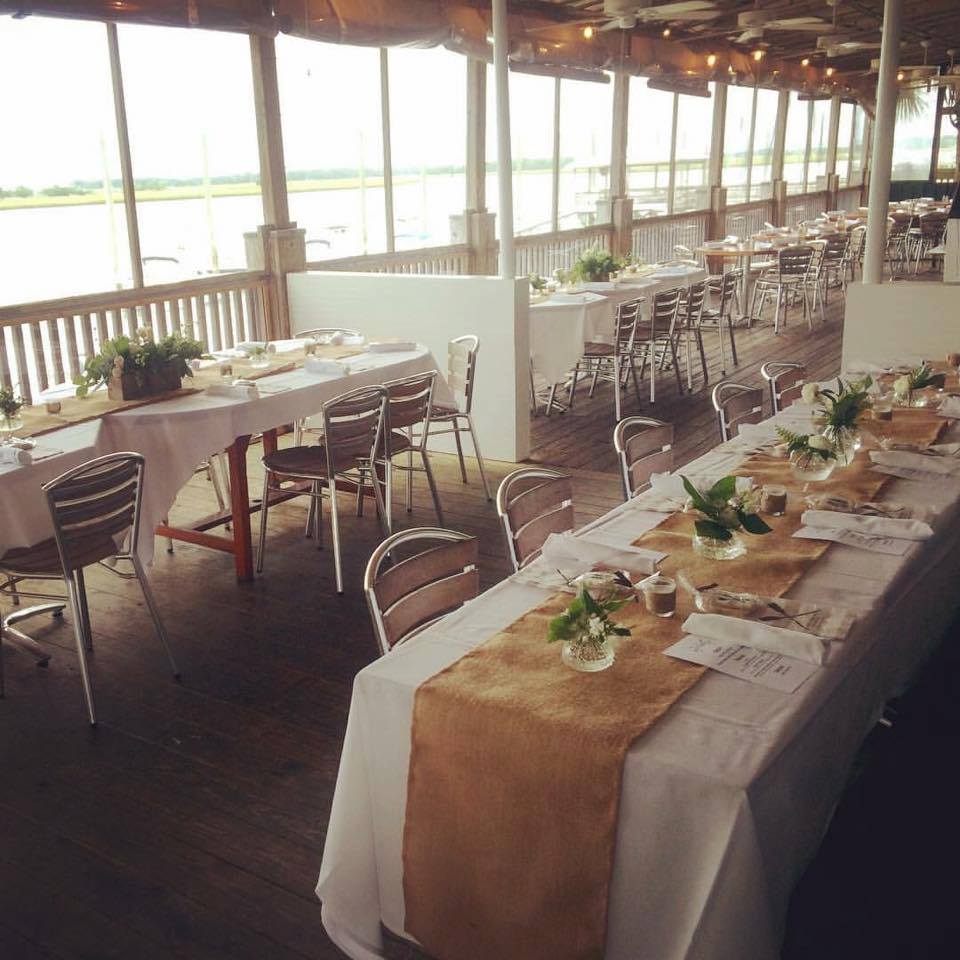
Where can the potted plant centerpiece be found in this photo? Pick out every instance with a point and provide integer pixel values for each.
(594, 266)
(908, 390)
(139, 366)
(10, 406)
(724, 511)
(812, 456)
(839, 414)
(586, 630)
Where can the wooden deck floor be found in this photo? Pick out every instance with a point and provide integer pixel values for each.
(190, 823)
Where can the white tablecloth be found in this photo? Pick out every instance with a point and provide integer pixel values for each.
(177, 434)
(724, 801)
(560, 326)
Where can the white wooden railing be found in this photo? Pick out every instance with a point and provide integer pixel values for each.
(457, 259)
(47, 343)
(745, 219)
(543, 253)
(849, 198)
(807, 206)
(654, 238)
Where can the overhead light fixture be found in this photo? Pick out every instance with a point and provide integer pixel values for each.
(666, 31)
(900, 75)
(758, 55)
(711, 60)
(588, 32)
(805, 62)
(829, 71)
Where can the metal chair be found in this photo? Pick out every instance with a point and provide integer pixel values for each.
(615, 361)
(93, 508)
(458, 418)
(729, 283)
(656, 340)
(785, 282)
(689, 330)
(897, 249)
(785, 380)
(409, 406)
(414, 593)
(533, 502)
(736, 404)
(318, 334)
(644, 446)
(353, 432)
(932, 227)
(853, 258)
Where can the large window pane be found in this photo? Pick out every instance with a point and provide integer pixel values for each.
(649, 133)
(692, 179)
(844, 135)
(62, 228)
(764, 130)
(428, 131)
(531, 135)
(193, 138)
(332, 145)
(913, 136)
(586, 118)
(795, 144)
(817, 168)
(736, 144)
(947, 155)
(856, 159)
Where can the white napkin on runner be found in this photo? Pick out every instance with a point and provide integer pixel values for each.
(16, 456)
(390, 346)
(870, 526)
(945, 466)
(578, 554)
(760, 636)
(950, 408)
(321, 366)
(235, 391)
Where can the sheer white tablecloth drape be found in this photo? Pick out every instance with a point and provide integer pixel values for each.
(724, 801)
(175, 435)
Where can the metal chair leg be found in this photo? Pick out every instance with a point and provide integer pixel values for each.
(733, 342)
(309, 528)
(84, 611)
(457, 441)
(572, 391)
(676, 366)
(476, 450)
(409, 470)
(154, 613)
(73, 590)
(335, 530)
(264, 506)
(433, 486)
(703, 356)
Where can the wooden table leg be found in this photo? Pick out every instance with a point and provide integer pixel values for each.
(240, 507)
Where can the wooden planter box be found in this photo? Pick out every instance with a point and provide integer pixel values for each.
(127, 386)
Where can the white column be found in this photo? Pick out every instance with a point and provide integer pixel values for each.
(387, 147)
(501, 48)
(882, 157)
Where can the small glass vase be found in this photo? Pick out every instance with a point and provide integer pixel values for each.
(807, 469)
(914, 398)
(714, 549)
(587, 656)
(846, 441)
(8, 427)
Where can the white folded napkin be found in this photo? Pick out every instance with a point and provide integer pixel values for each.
(869, 526)
(16, 456)
(671, 484)
(574, 555)
(760, 636)
(861, 367)
(323, 366)
(944, 466)
(950, 408)
(390, 346)
(235, 391)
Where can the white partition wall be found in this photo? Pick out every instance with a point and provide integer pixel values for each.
(432, 310)
(901, 322)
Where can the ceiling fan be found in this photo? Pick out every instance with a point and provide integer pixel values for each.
(626, 14)
(755, 22)
(833, 46)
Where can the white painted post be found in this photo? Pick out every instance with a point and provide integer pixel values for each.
(501, 49)
(882, 157)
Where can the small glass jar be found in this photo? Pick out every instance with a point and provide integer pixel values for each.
(715, 549)
(808, 467)
(52, 406)
(773, 500)
(846, 441)
(226, 370)
(587, 655)
(660, 595)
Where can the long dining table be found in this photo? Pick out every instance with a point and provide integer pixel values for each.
(725, 800)
(176, 434)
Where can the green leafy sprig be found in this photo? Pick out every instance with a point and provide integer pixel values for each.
(724, 510)
(922, 376)
(537, 283)
(843, 407)
(594, 265)
(799, 443)
(588, 619)
(10, 403)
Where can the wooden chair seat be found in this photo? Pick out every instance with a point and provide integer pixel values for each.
(44, 559)
(444, 411)
(597, 349)
(307, 461)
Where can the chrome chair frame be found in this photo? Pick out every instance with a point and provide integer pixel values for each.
(789, 279)
(720, 400)
(664, 313)
(728, 290)
(655, 458)
(691, 319)
(467, 577)
(773, 372)
(505, 504)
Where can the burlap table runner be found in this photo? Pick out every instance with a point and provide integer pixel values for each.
(516, 760)
(73, 410)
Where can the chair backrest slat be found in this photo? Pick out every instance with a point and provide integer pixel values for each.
(533, 502)
(462, 368)
(786, 382)
(644, 446)
(415, 591)
(353, 425)
(735, 405)
(410, 400)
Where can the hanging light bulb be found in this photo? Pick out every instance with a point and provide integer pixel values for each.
(900, 75)
(667, 31)
(829, 71)
(588, 32)
(805, 62)
(758, 55)
(711, 60)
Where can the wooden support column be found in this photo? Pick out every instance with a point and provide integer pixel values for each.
(555, 163)
(501, 50)
(779, 189)
(278, 247)
(126, 163)
(833, 136)
(479, 226)
(621, 206)
(387, 150)
(718, 195)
